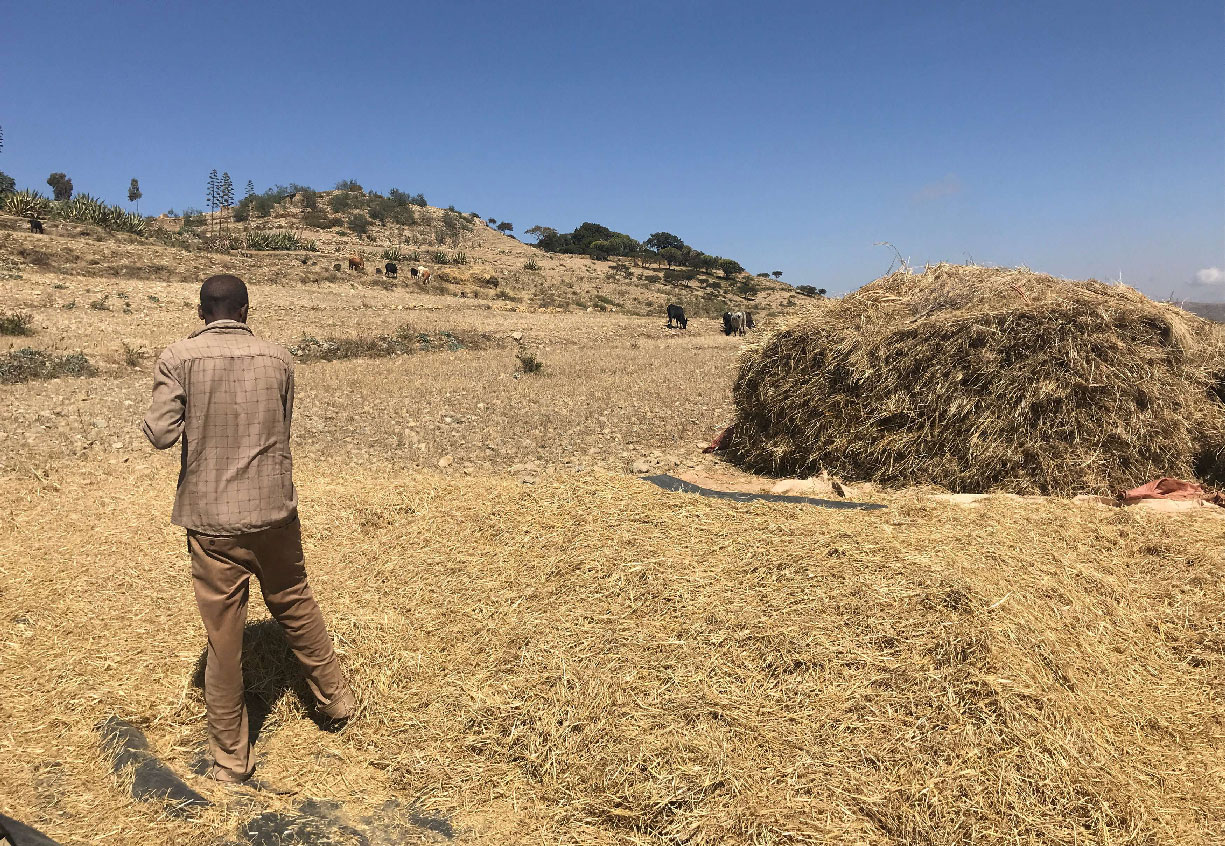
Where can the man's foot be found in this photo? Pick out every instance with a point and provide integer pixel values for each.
(223, 776)
(334, 715)
(233, 780)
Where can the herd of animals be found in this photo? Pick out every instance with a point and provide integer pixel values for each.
(734, 322)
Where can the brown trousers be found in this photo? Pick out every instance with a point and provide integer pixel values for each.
(221, 570)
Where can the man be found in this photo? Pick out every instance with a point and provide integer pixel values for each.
(229, 396)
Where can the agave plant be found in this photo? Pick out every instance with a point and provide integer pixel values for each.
(25, 204)
(277, 241)
(83, 208)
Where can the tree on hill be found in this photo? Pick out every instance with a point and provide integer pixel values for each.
(671, 255)
(225, 191)
(542, 234)
(134, 194)
(506, 226)
(777, 274)
(660, 241)
(730, 267)
(250, 192)
(493, 221)
(212, 195)
(61, 186)
(7, 184)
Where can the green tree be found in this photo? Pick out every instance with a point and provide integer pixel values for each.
(542, 233)
(134, 194)
(61, 186)
(7, 184)
(730, 267)
(250, 192)
(225, 194)
(212, 195)
(660, 241)
(777, 274)
(506, 226)
(671, 255)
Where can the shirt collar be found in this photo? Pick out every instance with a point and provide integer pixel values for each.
(223, 324)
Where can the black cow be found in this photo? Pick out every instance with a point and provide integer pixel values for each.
(676, 313)
(748, 320)
(392, 270)
(36, 226)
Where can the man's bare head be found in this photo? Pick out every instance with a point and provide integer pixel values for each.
(223, 297)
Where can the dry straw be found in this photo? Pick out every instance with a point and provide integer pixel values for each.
(591, 661)
(981, 379)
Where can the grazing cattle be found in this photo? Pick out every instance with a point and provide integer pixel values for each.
(356, 263)
(392, 271)
(733, 323)
(748, 320)
(676, 313)
(36, 226)
(420, 273)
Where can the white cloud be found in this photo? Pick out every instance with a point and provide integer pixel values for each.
(1209, 277)
(946, 187)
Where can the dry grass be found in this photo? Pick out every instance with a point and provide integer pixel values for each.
(582, 659)
(987, 379)
(591, 661)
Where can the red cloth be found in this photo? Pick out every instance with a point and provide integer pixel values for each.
(1167, 488)
(720, 440)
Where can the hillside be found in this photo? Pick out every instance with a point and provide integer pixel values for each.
(545, 648)
(468, 257)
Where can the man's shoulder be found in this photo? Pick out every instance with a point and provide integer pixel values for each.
(219, 344)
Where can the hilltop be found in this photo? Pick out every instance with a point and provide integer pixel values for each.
(467, 256)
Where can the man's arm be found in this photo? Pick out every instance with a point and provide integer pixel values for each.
(164, 422)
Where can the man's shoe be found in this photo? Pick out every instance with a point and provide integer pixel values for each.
(335, 714)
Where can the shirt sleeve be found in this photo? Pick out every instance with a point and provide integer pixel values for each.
(163, 423)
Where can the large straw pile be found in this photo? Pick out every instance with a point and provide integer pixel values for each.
(980, 379)
(591, 661)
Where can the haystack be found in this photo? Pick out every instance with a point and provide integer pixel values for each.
(981, 379)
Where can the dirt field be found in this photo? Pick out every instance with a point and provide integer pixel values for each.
(547, 650)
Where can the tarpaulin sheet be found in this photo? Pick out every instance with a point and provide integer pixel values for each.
(675, 485)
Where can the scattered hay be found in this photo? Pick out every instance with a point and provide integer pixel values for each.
(979, 379)
(586, 661)
(27, 363)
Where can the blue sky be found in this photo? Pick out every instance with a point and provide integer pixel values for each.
(1081, 139)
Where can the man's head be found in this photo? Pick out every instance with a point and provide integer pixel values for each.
(223, 297)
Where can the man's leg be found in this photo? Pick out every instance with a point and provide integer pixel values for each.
(282, 577)
(222, 579)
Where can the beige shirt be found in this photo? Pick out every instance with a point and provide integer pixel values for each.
(229, 396)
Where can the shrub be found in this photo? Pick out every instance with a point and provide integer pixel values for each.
(344, 201)
(101, 303)
(358, 223)
(531, 264)
(405, 340)
(7, 184)
(25, 364)
(807, 290)
(349, 185)
(132, 356)
(318, 219)
(439, 257)
(16, 324)
(528, 362)
(459, 258)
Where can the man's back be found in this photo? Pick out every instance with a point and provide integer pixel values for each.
(230, 396)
